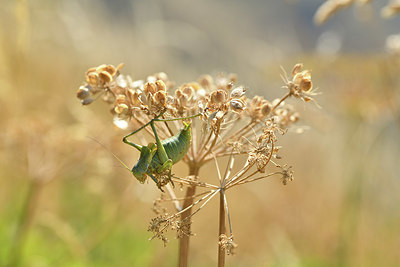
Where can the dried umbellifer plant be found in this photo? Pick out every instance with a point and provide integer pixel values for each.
(229, 124)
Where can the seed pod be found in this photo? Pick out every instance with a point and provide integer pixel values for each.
(229, 86)
(121, 109)
(237, 105)
(266, 109)
(178, 93)
(83, 92)
(150, 87)
(307, 99)
(91, 70)
(160, 98)
(218, 96)
(87, 101)
(110, 69)
(160, 85)
(121, 99)
(92, 78)
(183, 100)
(133, 97)
(238, 92)
(305, 85)
(100, 68)
(105, 77)
(188, 91)
(256, 101)
(297, 68)
(120, 66)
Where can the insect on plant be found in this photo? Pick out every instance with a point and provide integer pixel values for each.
(159, 157)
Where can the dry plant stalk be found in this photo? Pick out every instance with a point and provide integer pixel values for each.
(391, 9)
(231, 125)
(331, 7)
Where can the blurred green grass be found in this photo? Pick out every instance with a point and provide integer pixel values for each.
(342, 209)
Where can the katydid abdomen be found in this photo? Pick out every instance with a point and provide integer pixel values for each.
(176, 148)
(159, 157)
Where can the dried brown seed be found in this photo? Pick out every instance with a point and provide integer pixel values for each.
(305, 85)
(105, 77)
(183, 100)
(87, 101)
(188, 91)
(110, 69)
(229, 86)
(120, 99)
(238, 92)
(150, 87)
(100, 68)
(237, 105)
(307, 99)
(133, 96)
(120, 66)
(160, 97)
(92, 78)
(297, 68)
(256, 101)
(83, 92)
(266, 109)
(121, 109)
(218, 96)
(178, 93)
(161, 85)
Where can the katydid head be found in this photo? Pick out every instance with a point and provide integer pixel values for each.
(140, 176)
(141, 167)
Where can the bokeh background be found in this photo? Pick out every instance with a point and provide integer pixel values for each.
(65, 201)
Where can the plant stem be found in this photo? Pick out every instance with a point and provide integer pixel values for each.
(222, 229)
(184, 241)
(280, 101)
(24, 223)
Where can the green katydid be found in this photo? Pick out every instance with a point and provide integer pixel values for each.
(159, 157)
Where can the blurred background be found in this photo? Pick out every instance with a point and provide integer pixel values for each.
(64, 200)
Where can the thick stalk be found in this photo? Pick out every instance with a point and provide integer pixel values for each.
(184, 241)
(222, 229)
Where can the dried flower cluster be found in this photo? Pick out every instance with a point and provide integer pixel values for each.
(227, 244)
(231, 125)
(331, 7)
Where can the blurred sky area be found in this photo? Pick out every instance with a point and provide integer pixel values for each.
(202, 36)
